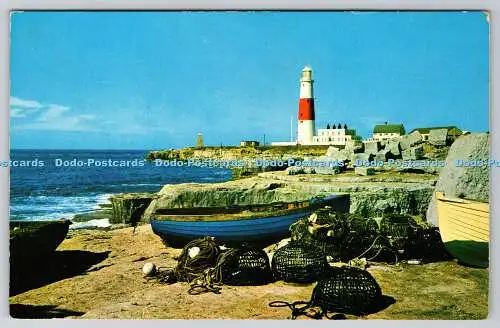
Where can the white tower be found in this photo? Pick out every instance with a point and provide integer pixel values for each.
(306, 127)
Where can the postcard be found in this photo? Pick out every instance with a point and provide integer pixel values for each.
(249, 165)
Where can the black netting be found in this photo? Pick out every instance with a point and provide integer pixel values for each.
(362, 233)
(244, 267)
(299, 263)
(348, 290)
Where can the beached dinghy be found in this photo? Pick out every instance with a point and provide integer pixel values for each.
(465, 229)
(34, 238)
(256, 224)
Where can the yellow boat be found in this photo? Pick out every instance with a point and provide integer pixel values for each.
(465, 229)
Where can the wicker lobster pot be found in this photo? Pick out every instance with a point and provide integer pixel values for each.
(348, 290)
(299, 263)
(245, 267)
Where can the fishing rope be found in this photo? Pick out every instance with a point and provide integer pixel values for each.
(211, 279)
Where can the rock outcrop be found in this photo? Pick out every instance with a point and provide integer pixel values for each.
(438, 137)
(370, 195)
(466, 173)
(129, 208)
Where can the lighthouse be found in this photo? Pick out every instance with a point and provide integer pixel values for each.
(306, 128)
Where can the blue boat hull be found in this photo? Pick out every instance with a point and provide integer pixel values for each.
(257, 231)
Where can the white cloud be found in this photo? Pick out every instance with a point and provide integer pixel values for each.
(17, 102)
(17, 112)
(52, 113)
(51, 117)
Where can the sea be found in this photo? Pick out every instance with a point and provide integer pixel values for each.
(52, 184)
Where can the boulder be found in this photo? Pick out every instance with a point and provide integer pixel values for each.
(332, 151)
(383, 155)
(364, 171)
(393, 147)
(354, 145)
(129, 208)
(464, 181)
(410, 140)
(363, 157)
(334, 154)
(327, 170)
(372, 147)
(438, 137)
(413, 154)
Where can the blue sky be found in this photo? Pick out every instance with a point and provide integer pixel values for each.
(153, 80)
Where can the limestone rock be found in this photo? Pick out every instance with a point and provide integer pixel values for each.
(413, 154)
(393, 147)
(332, 151)
(363, 157)
(355, 146)
(464, 181)
(410, 140)
(372, 147)
(438, 137)
(129, 208)
(294, 170)
(335, 154)
(383, 155)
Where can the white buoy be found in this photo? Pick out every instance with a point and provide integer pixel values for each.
(149, 269)
(193, 251)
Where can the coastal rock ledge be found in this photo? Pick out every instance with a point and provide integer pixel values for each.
(391, 192)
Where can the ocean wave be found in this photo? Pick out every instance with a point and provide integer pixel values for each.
(54, 207)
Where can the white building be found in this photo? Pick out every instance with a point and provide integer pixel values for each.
(335, 136)
(383, 132)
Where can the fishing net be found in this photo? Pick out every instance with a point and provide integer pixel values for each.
(347, 290)
(238, 267)
(196, 257)
(299, 263)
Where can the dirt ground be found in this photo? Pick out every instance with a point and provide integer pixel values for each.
(99, 276)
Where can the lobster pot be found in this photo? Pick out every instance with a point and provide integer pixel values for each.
(328, 245)
(360, 236)
(397, 229)
(301, 264)
(348, 290)
(426, 244)
(245, 267)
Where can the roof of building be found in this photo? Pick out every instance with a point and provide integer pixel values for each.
(427, 130)
(389, 128)
(307, 68)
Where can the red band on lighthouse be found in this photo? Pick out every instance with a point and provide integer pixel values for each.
(306, 109)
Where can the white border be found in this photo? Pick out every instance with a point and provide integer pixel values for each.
(491, 5)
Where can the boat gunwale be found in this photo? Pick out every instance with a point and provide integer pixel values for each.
(313, 204)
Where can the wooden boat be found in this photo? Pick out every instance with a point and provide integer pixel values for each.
(465, 229)
(35, 238)
(260, 224)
